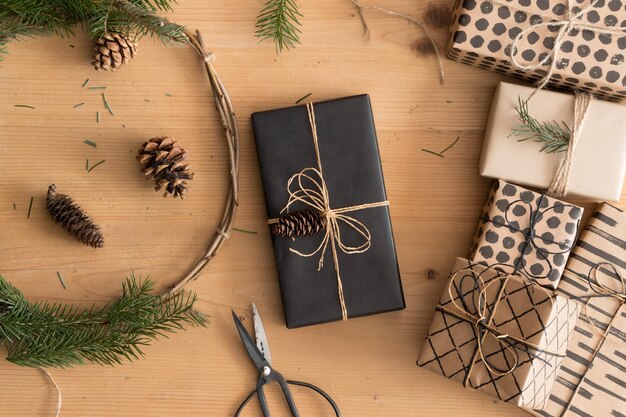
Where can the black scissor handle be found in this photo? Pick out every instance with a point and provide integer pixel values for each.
(285, 391)
(320, 392)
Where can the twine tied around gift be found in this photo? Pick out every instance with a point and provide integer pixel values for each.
(558, 186)
(309, 188)
(571, 20)
(600, 290)
(531, 237)
(480, 314)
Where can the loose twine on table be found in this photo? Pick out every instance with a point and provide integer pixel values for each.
(601, 290)
(57, 409)
(366, 30)
(311, 190)
(483, 316)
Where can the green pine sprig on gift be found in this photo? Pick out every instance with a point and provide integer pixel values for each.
(62, 335)
(278, 20)
(553, 136)
(137, 18)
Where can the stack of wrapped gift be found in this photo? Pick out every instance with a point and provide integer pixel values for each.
(500, 327)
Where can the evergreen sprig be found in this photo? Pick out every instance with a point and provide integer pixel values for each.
(62, 335)
(278, 20)
(136, 18)
(553, 136)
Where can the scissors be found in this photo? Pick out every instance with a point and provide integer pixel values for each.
(259, 353)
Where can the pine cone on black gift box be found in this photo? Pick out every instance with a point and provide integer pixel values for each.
(299, 223)
(112, 51)
(72, 218)
(163, 160)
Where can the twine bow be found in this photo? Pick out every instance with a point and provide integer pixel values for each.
(480, 312)
(309, 187)
(572, 19)
(540, 243)
(600, 290)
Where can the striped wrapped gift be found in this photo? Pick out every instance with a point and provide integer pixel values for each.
(592, 379)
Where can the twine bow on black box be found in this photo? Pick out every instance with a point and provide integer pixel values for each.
(543, 245)
(308, 187)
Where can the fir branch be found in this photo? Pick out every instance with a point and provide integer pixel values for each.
(62, 335)
(132, 18)
(555, 137)
(37, 15)
(126, 18)
(278, 20)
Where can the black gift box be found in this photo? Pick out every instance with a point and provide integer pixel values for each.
(350, 163)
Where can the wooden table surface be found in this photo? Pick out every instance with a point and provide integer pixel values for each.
(367, 364)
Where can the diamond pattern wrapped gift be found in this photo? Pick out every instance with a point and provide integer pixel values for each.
(499, 333)
(529, 230)
(578, 44)
(591, 379)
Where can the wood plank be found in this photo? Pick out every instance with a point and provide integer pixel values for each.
(368, 364)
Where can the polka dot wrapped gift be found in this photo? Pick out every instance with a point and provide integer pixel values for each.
(572, 44)
(527, 230)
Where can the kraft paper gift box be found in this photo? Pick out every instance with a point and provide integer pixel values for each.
(591, 382)
(528, 230)
(499, 333)
(589, 55)
(599, 160)
(359, 263)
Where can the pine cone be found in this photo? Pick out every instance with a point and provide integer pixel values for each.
(163, 160)
(112, 51)
(299, 223)
(72, 218)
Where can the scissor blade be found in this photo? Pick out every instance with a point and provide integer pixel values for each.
(261, 336)
(257, 357)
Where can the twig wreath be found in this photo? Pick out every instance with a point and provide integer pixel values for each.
(44, 335)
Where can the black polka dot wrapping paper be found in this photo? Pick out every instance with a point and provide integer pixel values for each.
(486, 354)
(528, 230)
(599, 160)
(588, 57)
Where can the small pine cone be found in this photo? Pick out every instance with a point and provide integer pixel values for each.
(72, 218)
(163, 160)
(299, 223)
(112, 51)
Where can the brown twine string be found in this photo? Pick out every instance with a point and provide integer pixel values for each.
(602, 291)
(482, 320)
(571, 20)
(360, 8)
(558, 186)
(57, 410)
(311, 190)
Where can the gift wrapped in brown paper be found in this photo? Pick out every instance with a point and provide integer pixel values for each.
(591, 382)
(529, 230)
(498, 332)
(514, 153)
(573, 44)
